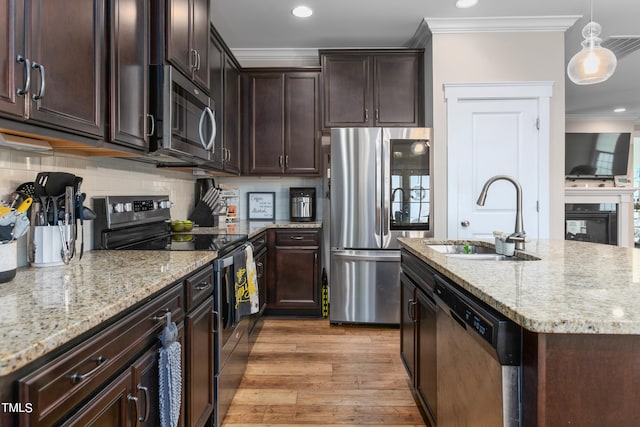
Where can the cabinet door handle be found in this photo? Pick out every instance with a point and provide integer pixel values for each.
(40, 68)
(197, 61)
(377, 115)
(193, 61)
(280, 160)
(366, 114)
(145, 390)
(100, 361)
(27, 75)
(202, 286)
(152, 124)
(297, 237)
(215, 321)
(286, 161)
(411, 305)
(134, 399)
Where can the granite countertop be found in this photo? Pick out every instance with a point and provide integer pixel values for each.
(575, 287)
(253, 228)
(44, 308)
(41, 309)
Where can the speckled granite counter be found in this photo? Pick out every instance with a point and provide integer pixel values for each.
(252, 228)
(44, 308)
(575, 287)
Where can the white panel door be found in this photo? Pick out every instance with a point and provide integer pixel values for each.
(488, 137)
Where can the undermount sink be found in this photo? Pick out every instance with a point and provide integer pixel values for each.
(477, 253)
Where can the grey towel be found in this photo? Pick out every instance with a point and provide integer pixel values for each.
(170, 373)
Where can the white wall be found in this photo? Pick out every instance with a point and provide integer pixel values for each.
(101, 176)
(499, 57)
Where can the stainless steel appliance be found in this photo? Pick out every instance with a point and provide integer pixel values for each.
(478, 354)
(184, 130)
(380, 190)
(302, 202)
(142, 223)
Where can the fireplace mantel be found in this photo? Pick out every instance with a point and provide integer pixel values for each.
(622, 196)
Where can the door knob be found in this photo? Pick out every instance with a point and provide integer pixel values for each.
(465, 223)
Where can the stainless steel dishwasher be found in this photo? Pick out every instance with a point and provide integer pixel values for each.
(478, 353)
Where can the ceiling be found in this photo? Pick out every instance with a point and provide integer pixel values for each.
(269, 24)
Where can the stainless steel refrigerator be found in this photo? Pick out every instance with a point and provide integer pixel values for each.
(380, 180)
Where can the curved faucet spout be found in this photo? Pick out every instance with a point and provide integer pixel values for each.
(519, 233)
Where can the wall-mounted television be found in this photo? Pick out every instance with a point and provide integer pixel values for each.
(602, 155)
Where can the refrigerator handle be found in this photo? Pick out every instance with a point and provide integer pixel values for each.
(378, 193)
(386, 188)
(379, 256)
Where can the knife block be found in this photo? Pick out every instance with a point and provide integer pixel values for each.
(47, 242)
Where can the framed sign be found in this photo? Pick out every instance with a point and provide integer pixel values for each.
(261, 205)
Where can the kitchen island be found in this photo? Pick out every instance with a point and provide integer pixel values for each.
(578, 309)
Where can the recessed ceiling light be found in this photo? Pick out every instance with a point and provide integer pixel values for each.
(302, 12)
(620, 110)
(463, 4)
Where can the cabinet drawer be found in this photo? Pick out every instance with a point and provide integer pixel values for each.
(59, 386)
(198, 287)
(297, 238)
(259, 242)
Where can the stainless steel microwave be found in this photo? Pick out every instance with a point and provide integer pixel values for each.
(184, 128)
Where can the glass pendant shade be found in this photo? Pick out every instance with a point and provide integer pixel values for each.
(594, 63)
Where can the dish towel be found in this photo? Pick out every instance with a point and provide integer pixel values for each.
(170, 373)
(245, 282)
(252, 280)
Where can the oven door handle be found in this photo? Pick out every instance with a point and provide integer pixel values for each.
(223, 263)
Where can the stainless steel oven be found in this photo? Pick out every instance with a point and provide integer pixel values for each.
(184, 129)
(232, 347)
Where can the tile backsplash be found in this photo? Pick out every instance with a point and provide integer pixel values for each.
(113, 176)
(101, 176)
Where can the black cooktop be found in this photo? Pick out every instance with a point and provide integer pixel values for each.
(220, 242)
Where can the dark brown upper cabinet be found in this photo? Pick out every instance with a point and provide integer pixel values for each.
(13, 67)
(129, 121)
(225, 102)
(282, 122)
(364, 88)
(187, 38)
(58, 76)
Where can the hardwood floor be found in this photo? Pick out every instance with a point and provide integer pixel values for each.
(307, 372)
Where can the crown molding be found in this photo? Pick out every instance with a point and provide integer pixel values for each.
(501, 24)
(613, 117)
(277, 57)
(421, 37)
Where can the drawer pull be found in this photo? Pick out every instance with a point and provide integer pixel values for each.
(260, 268)
(297, 237)
(101, 362)
(202, 286)
(145, 390)
(165, 316)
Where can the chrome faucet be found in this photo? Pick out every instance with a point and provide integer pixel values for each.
(393, 194)
(518, 234)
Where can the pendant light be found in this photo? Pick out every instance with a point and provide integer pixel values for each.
(594, 63)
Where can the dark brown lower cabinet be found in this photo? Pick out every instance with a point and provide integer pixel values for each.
(199, 363)
(129, 400)
(418, 334)
(293, 285)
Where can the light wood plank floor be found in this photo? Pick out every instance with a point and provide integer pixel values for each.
(307, 372)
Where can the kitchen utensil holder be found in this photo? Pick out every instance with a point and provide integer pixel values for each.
(47, 241)
(8, 261)
(509, 248)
